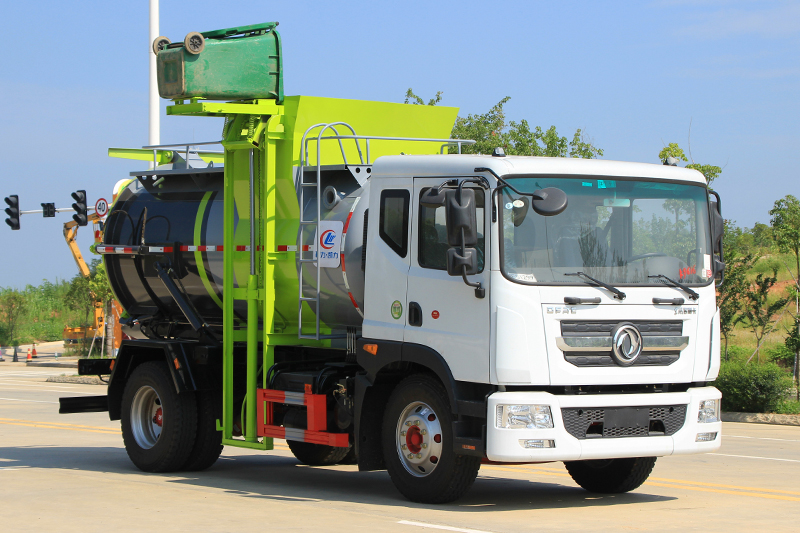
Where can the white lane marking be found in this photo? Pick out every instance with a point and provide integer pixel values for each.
(759, 438)
(18, 400)
(755, 457)
(29, 373)
(446, 528)
(6, 388)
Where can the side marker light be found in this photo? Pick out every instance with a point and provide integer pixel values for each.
(371, 348)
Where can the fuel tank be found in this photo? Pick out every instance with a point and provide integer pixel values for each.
(184, 216)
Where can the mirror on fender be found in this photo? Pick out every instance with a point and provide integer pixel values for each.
(461, 216)
(549, 202)
(455, 260)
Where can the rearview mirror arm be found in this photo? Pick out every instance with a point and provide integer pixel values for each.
(480, 292)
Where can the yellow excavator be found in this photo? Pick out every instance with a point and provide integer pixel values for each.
(73, 335)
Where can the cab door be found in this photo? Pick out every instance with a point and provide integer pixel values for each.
(443, 313)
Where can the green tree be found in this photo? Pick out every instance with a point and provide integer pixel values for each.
(711, 172)
(731, 295)
(490, 130)
(758, 310)
(80, 299)
(785, 220)
(412, 98)
(786, 232)
(12, 307)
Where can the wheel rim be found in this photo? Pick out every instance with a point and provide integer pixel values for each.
(147, 417)
(419, 439)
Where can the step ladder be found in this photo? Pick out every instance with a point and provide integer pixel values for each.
(308, 255)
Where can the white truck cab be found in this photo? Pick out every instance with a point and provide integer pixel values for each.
(596, 326)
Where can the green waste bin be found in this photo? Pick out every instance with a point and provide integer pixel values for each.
(232, 64)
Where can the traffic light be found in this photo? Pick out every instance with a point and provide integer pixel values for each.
(81, 216)
(48, 210)
(13, 211)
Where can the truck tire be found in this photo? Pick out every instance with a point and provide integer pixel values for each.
(417, 440)
(208, 442)
(317, 454)
(158, 424)
(611, 476)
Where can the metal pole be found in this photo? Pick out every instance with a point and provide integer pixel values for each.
(155, 124)
(250, 431)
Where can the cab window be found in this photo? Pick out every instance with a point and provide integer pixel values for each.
(393, 223)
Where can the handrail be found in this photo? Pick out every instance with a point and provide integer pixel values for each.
(156, 147)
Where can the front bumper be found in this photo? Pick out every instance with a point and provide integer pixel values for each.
(503, 445)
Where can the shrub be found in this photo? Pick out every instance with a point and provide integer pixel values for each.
(788, 407)
(753, 388)
(782, 355)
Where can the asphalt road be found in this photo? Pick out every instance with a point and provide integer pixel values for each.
(71, 473)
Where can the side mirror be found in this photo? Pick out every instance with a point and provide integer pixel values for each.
(433, 198)
(717, 234)
(455, 261)
(461, 215)
(550, 201)
(717, 229)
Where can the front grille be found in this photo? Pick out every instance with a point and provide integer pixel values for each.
(603, 328)
(588, 423)
(651, 359)
(577, 334)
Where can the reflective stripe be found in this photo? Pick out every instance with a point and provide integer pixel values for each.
(344, 271)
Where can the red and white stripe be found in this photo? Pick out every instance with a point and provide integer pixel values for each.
(344, 271)
(293, 248)
(105, 249)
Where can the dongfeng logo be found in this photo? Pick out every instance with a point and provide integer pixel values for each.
(626, 344)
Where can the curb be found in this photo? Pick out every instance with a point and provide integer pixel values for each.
(73, 364)
(82, 380)
(762, 418)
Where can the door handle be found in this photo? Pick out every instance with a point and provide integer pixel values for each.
(414, 314)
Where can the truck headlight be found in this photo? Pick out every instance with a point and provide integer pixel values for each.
(709, 411)
(524, 417)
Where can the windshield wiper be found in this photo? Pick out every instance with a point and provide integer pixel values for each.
(693, 295)
(618, 294)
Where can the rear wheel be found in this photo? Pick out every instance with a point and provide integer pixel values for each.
(208, 442)
(158, 424)
(611, 476)
(418, 444)
(317, 454)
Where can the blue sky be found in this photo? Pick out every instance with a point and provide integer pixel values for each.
(632, 75)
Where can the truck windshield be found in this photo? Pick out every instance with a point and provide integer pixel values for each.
(620, 232)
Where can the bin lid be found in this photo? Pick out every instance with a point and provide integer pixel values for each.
(228, 32)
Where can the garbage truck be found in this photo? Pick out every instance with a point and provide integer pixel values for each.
(341, 276)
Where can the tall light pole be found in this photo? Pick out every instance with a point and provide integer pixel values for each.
(155, 120)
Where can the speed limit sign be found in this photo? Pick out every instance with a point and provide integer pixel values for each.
(101, 207)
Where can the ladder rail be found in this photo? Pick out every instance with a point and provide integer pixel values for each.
(303, 223)
(302, 185)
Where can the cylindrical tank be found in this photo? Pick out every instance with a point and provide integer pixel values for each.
(187, 215)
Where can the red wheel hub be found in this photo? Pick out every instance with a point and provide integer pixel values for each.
(158, 419)
(414, 439)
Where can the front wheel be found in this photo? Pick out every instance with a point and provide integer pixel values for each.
(418, 444)
(611, 476)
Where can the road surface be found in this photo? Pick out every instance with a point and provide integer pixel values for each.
(70, 473)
